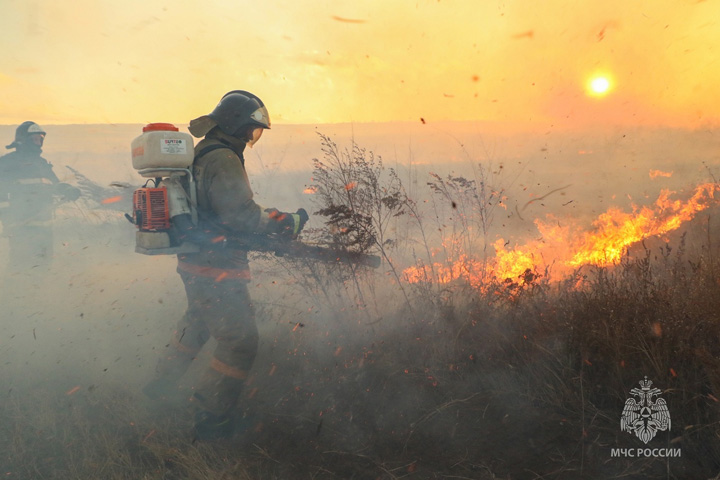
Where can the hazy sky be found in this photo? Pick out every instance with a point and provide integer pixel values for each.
(318, 61)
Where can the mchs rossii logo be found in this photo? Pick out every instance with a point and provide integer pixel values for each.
(644, 416)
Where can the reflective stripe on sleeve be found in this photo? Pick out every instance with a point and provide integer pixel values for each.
(35, 181)
(296, 223)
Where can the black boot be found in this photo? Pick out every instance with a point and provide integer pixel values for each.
(209, 426)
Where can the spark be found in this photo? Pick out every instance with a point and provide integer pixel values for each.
(72, 390)
(659, 173)
(115, 199)
(347, 20)
(657, 329)
(527, 34)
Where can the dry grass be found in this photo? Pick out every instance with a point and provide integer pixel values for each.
(521, 383)
(519, 380)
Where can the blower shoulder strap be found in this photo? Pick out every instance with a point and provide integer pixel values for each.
(199, 177)
(209, 149)
(216, 146)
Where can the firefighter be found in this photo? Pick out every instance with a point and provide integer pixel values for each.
(28, 188)
(216, 278)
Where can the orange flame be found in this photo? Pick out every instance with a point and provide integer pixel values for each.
(659, 173)
(512, 264)
(565, 248)
(464, 268)
(615, 230)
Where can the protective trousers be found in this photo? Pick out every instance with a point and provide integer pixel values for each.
(221, 309)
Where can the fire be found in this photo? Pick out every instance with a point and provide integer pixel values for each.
(659, 173)
(464, 268)
(512, 264)
(564, 247)
(615, 230)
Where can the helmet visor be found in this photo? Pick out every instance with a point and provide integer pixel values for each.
(35, 128)
(261, 116)
(37, 138)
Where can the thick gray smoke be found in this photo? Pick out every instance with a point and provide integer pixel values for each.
(345, 372)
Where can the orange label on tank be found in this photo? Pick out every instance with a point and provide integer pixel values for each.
(138, 151)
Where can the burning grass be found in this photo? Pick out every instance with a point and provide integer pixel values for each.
(491, 370)
(518, 381)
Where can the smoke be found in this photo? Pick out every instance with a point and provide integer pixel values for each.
(349, 367)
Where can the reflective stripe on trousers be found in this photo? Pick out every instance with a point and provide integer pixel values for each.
(223, 310)
(217, 274)
(227, 370)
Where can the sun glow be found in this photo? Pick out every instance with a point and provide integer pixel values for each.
(599, 86)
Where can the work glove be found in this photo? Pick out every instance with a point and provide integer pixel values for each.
(287, 225)
(303, 218)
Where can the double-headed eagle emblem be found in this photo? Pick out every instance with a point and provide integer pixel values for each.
(645, 417)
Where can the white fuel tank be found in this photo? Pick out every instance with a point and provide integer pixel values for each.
(160, 149)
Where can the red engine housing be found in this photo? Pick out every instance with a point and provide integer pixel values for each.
(150, 209)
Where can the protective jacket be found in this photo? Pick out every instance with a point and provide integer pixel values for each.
(27, 186)
(225, 208)
(215, 280)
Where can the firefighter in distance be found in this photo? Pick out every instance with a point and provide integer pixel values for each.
(216, 278)
(28, 192)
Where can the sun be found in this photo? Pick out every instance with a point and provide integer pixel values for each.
(599, 86)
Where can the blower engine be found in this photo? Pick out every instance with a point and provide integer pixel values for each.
(165, 210)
